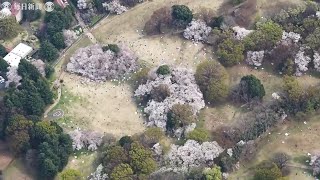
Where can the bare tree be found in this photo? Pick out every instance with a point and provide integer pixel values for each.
(281, 159)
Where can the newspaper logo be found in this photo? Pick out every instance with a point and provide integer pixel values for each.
(6, 5)
(49, 6)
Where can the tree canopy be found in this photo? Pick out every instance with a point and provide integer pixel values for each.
(182, 15)
(212, 78)
(9, 28)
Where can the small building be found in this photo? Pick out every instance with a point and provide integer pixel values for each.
(62, 3)
(16, 54)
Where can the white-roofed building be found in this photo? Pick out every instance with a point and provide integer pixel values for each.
(22, 50)
(18, 53)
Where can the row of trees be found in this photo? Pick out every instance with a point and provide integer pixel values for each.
(43, 143)
(51, 35)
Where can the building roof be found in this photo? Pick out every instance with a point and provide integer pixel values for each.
(62, 3)
(17, 53)
(12, 59)
(22, 50)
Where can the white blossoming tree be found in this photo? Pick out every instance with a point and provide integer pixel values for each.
(316, 61)
(192, 154)
(302, 61)
(98, 174)
(295, 37)
(85, 139)
(98, 65)
(82, 4)
(197, 30)
(240, 33)
(255, 58)
(69, 37)
(183, 89)
(12, 76)
(40, 65)
(115, 7)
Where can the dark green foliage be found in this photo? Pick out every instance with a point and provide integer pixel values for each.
(251, 88)
(138, 158)
(299, 101)
(3, 68)
(212, 79)
(237, 2)
(31, 15)
(182, 15)
(200, 135)
(112, 47)
(9, 28)
(99, 6)
(163, 70)
(58, 40)
(32, 95)
(216, 22)
(230, 52)
(3, 51)
(265, 37)
(58, 20)
(267, 171)
(53, 155)
(125, 140)
(48, 51)
(49, 70)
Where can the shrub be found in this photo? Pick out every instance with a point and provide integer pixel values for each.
(182, 15)
(251, 87)
(70, 174)
(112, 47)
(200, 135)
(179, 116)
(265, 37)
(212, 79)
(230, 52)
(163, 70)
(125, 140)
(267, 171)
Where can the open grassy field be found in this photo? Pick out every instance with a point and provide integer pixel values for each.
(109, 108)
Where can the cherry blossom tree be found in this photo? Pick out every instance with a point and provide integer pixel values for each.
(69, 37)
(302, 61)
(82, 4)
(12, 76)
(98, 174)
(115, 7)
(192, 154)
(98, 65)
(183, 90)
(255, 58)
(316, 61)
(240, 33)
(197, 30)
(85, 139)
(40, 65)
(295, 37)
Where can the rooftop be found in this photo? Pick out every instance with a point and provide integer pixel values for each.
(18, 53)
